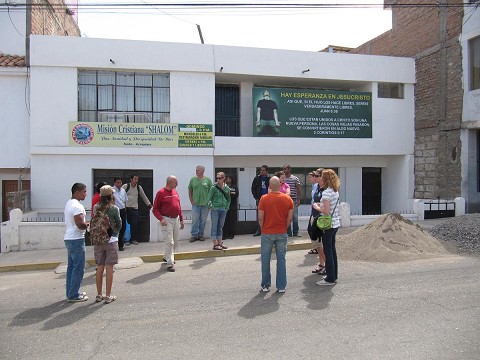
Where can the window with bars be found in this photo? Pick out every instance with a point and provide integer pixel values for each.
(110, 96)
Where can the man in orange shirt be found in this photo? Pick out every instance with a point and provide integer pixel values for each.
(275, 212)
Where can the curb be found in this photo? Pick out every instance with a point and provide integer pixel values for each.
(190, 255)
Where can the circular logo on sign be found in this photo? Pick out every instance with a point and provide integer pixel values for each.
(82, 134)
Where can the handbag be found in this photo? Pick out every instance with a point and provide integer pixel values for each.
(324, 222)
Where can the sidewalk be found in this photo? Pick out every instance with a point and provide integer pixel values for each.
(153, 252)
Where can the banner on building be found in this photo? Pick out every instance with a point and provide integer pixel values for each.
(311, 113)
(140, 135)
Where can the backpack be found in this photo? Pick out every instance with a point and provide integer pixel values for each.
(100, 227)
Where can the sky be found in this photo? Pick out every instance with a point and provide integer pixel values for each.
(306, 29)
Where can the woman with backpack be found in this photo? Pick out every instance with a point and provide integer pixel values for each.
(104, 229)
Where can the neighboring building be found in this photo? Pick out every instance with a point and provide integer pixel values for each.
(16, 26)
(99, 83)
(445, 42)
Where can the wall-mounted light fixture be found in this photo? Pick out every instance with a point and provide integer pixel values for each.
(113, 62)
(221, 69)
(305, 71)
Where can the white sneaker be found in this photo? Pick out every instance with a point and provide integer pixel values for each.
(281, 291)
(324, 282)
(265, 288)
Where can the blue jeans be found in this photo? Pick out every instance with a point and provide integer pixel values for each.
(280, 243)
(218, 219)
(294, 223)
(75, 266)
(199, 219)
(331, 264)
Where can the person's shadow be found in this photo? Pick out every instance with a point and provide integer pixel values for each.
(148, 276)
(260, 305)
(36, 315)
(198, 264)
(317, 297)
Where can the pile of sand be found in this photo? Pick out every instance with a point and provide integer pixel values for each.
(390, 238)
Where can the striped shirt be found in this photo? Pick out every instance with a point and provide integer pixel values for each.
(333, 197)
(293, 181)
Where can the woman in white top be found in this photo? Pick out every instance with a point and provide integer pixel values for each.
(329, 205)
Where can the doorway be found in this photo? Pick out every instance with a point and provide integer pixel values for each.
(146, 181)
(10, 186)
(371, 191)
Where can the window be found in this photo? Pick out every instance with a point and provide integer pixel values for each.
(475, 63)
(390, 90)
(107, 96)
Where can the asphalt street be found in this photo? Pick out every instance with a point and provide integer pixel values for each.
(212, 308)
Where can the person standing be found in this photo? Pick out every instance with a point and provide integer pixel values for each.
(259, 188)
(106, 255)
(219, 203)
(134, 190)
(328, 205)
(198, 194)
(295, 192)
(96, 195)
(75, 243)
(167, 209)
(121, 202)
(232, 213)
(275, 212)
(313, 231)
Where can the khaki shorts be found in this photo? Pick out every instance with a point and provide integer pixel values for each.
(106, 254)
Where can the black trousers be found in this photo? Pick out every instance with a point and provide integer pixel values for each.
(230, 223)
(123, 215)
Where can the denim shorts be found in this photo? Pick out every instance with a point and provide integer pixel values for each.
(106, 254)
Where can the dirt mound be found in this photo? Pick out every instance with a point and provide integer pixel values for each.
(390, 238)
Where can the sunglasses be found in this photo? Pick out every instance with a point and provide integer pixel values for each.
(317, 175)
(219, 178)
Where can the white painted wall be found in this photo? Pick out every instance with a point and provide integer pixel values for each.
(193, 76)
(14, 118)
(12, 28)
(471, 116)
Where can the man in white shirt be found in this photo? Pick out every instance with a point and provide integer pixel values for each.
(121, 202)
(75, 243)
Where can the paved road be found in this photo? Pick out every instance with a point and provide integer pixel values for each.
(212, 308)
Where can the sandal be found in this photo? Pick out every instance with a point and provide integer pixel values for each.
(223, 246)
(322, 272)
(318, 269)
(218, 247)
(99, 298)
(109, 299)
(313, 251)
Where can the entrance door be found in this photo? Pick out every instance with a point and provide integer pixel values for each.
(146, 181)
(9, 186)
(371, 191)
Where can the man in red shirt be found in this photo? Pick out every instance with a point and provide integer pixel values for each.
(168, 211)
(275, 212)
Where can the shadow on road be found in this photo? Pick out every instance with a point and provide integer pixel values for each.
(261, 304)
(317, 297)
(198, 264)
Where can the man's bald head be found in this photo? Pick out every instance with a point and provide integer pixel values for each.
(274, 183)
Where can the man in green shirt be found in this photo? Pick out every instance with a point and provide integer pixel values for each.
(198, 193)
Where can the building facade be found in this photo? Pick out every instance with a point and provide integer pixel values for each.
(99, 83)
(17, 23)
(445, 42)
